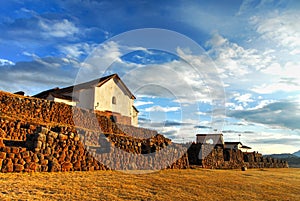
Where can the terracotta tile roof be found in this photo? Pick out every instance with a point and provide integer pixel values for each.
(59, 93)
(45, 94)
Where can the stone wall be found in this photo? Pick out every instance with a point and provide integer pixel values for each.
(41, 135)
(137, 132)
(45, 151)
(15, 129)
(210, 156)
(51, 151)
(115, 117)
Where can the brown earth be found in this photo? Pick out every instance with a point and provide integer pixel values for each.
(190, 184)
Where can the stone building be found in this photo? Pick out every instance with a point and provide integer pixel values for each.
(214, 139)
(107, 95)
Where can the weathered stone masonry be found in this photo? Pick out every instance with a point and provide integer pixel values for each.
(39, 135)
(210, 156)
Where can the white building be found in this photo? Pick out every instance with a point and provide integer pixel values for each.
(237, 146)
(108, 96)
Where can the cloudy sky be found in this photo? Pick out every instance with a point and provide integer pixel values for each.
(231, 66)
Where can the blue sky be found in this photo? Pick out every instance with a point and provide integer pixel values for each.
(248, 59)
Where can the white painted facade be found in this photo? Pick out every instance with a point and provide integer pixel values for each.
(234, 146)
(100, 98)
(104, 95)
(60, 100)
(86, 98)
(134, 118)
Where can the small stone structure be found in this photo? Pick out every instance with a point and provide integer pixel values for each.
(211, 156)
(216, 139)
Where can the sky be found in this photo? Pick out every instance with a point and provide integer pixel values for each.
(194, 66)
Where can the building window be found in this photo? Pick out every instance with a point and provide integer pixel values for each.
(114, 101)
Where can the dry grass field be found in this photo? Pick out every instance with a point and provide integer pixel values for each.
(191, 184)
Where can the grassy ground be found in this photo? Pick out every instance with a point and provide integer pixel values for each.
(192, 184)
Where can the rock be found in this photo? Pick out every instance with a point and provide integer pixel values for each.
(41, 137)
(77, 166)
(44, 162)
(18, 167)
(1, 162)
(1, 140)
(34, 167)
(25, 154)
(2, 155)
(41, 130)
(35, 158)
(11, 155)
(15, 150)
(53, 134)
(62, 137)
(38, 144)
(54, 166)
(8, 166)
(66, 166)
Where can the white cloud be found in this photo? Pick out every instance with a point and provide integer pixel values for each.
(201, 113)
(274, 141)
(245, 98)
(234, 106)
(262, 72)
(77, 50)
(262, 104)
(233, 61)
(282, 78)
(34, 56)
(275, 87)
(57, 28)
(282, 114)
(140, 103)
(216, 41)
(246, 4)
(281, 28)
(35, 76)
(162, 109)
(5, 62)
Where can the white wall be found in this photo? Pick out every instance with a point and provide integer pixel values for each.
(103, 99)
(100, 98)
(59, 100)
(233, 146)
(86, 98)
(134, 118)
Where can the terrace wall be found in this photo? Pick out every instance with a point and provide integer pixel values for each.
(209, 156)
(40, 135)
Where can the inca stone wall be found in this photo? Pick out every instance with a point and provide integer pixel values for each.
(15, 129)
(137, 132)
(40, 135)
(47, 151)
(209, 156)
(51, 151)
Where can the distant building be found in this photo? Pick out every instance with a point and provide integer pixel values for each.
(215, 139)
(237, 146)
(107, 95)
